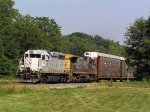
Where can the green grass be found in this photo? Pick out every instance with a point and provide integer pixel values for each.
(121, 97)
(8, 79)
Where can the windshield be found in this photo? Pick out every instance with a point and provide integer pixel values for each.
(35, 55)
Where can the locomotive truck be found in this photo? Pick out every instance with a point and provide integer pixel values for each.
(46, 66)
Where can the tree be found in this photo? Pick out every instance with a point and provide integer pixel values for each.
(7, 44)
(51, 31)
(102, 45)
(138, 47)
(115, 48)
(79, 43)
(7, 13)
(28, 35)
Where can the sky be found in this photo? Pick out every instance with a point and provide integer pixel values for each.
(107, 18)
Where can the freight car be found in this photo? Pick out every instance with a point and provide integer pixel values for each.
(45, 66)
(110, 67)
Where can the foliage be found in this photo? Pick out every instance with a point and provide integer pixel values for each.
(27, 33)
(78, 43)
(51, 32)
(138, 47)
(8, 50)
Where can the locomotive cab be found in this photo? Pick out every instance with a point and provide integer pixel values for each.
(35, 59)
(32, 63)
(41, 65)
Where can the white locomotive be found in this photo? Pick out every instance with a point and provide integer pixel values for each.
(42, 65)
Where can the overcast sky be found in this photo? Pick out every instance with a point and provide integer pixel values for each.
(108, 18)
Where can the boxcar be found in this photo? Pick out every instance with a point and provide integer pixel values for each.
(109, 66)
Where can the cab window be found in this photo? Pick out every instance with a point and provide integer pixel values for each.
(26, 55)
(35, 55)
(43, 57)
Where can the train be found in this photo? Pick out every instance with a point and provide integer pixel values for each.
(52, 67)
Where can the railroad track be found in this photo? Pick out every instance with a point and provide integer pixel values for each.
(60, 85)
(49, 86)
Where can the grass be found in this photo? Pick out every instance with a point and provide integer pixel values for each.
(121, 97)
(8, 79)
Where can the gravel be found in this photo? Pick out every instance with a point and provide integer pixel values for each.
(58, 85)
